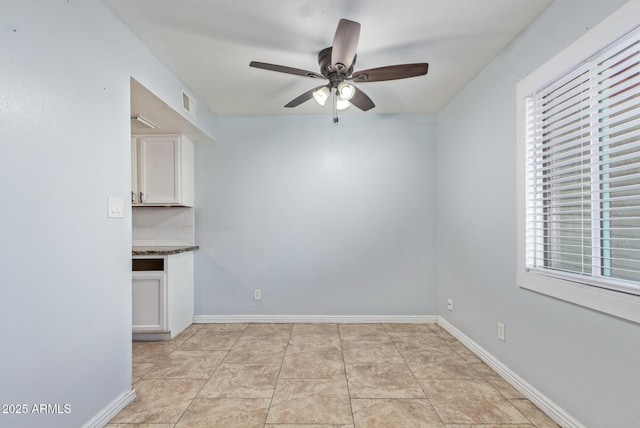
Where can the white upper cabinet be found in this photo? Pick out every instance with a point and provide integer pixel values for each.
(162, 170)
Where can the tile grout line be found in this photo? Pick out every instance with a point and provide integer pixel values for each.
(200, 390)
(210, 376)
(346, 378)
(273, 394)
(155, 363)
(484, 379)
(415, 378)
(162, 359)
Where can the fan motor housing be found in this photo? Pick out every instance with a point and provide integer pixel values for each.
(324, 60)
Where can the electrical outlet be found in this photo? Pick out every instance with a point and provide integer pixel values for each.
(450, 304)
(257, 294)
(501, 331)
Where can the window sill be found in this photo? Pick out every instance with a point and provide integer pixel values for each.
(621, 305)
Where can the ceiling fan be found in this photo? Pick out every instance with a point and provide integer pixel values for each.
(336, 65)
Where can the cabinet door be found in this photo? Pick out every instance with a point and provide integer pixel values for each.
(159, 170)
(134, 172)
(149, 302)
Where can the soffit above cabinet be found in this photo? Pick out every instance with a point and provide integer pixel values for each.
(168, 121)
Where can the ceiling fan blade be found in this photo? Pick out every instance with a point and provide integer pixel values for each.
(345, 43)
(303, 98)
(362, 100)
(391, 72)
(287, 70)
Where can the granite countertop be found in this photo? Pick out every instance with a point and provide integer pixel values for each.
(163, 251)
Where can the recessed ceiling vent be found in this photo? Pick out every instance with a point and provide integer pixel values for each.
(188, 104)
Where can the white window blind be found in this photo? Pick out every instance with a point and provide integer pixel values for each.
(583, 171)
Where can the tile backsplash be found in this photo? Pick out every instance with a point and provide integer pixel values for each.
(159, 226)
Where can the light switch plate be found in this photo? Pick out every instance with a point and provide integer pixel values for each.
(115, 207)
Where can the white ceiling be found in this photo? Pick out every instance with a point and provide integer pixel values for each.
(208, 45)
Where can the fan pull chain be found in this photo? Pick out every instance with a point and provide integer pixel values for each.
(335, 107)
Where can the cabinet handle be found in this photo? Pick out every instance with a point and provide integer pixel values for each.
(142, 197)
(133, 197)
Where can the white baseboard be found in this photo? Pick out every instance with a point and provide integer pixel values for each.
(105, 415)
(415, 319)
(543, 402)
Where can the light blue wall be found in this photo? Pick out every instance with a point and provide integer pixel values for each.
(585, 361)
(65, 280)
(354, 234)
(325, 220)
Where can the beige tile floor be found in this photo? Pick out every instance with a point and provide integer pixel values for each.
(319, 376)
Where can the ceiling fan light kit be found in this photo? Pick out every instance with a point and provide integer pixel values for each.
(322, 95)
(342, 104)
(346, 90)
(336, 65)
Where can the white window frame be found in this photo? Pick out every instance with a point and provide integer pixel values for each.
(619, 304)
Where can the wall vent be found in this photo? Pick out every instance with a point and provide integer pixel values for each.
(188, 104)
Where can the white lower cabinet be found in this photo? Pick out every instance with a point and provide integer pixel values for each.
(162, 297)
(149, 302)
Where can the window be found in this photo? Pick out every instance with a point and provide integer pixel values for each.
(580, 175)
(583, 171)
